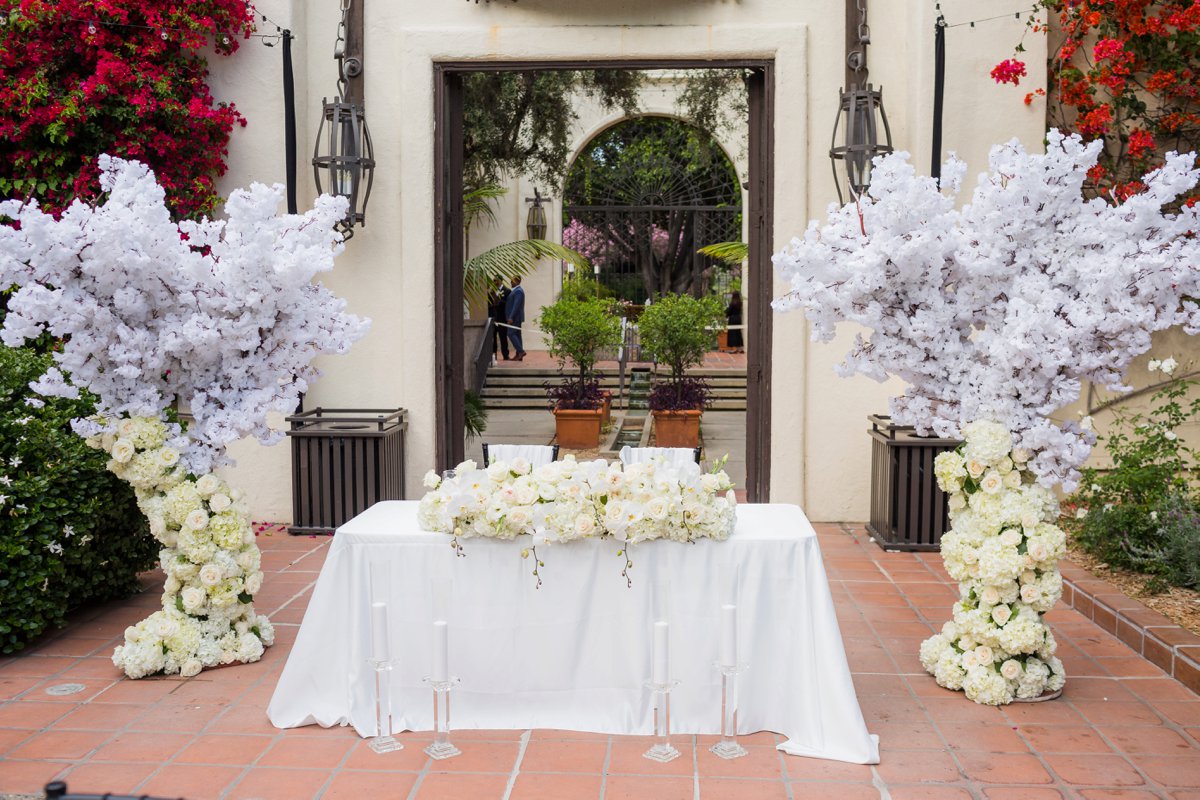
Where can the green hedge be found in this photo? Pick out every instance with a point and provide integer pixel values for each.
(58, 493)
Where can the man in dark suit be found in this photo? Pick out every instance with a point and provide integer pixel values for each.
(514, 312)
(496, 310)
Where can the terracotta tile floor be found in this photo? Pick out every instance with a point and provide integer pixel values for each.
(1121, 729)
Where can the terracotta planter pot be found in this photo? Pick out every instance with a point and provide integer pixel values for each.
(578, 428)
(607, 407)
(677, 428)
(723, 341)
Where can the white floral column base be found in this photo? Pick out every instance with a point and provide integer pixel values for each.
(210, 558)
(1003, 549)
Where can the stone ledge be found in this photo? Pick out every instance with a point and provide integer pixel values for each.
(1173, 649)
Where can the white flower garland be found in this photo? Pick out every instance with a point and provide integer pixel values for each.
(1003, 550)
(568, 500)
(210, 557)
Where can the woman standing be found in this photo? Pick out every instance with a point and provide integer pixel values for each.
(733, 318)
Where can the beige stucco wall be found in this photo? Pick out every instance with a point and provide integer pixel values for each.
(820, 456)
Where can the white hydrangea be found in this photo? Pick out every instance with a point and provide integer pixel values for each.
(1003, 551)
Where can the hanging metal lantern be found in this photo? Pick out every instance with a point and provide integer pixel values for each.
(348, 160)
(861, 119)
(344, 154)
(535, 222)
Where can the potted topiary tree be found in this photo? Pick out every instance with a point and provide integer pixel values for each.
(678, 330)
(577, 331)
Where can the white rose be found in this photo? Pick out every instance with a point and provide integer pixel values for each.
(1020, 455)
(657, 508)
(526, 494)
(585, 525)
(1029, 593)
(432, 479)
(196, 520)
(1001, 614)
(166, 627)
(168, 456)
(190, 667)
(970, 660)
(1168, 365)
(958, 502)
(975, 467)
(1012, 479)
(1011, 669)
(1028, 576)
(210, 574)
(990, 595)
(254, 582)
(122, 451)
(521, 466)
(193, 598)
(219, 502)
(207, 484)
(992, 482)
(983, 654)
(126, 428)
(1170, 436)
(950, 631)
(1037, 550)
(1011, 537)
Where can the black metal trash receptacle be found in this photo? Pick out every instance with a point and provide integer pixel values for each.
(343, 461)
(908, 510)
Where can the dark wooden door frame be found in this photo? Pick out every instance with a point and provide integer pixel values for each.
(448, 239)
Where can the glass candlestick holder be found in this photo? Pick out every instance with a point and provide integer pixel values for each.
(662, 750)
(383, 741)
(728, 746)
(442, 747)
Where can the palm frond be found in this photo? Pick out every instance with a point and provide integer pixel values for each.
(477, 203)
(731, 253)
(511, 259)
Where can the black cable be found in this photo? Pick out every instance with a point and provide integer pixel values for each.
(289, 121)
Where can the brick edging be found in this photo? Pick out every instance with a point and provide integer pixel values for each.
(1172, 648)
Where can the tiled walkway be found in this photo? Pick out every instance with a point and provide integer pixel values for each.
(1121, 729)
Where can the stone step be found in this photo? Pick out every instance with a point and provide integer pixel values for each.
(490, 391)
(611, 384)
(719, 404)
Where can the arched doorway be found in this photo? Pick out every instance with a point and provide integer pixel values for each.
(642, 196)
(448, 246)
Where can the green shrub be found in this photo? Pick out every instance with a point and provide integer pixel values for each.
(578, 331)
(1142, 512)
(1175, 557)
(678, 330)
(70, 531)
(584, 287)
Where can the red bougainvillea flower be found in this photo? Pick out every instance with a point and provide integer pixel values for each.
(1010, 70)
(131, 81)
(1141, 144)
(1094, 122)
(1109, 48)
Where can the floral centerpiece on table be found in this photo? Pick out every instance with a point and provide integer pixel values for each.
(995, 312)
(223, 316)
(1003, 550)
(569, 500)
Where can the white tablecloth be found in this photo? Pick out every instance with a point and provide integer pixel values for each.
(575, 653)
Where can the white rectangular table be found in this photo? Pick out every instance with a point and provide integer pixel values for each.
(575, 653)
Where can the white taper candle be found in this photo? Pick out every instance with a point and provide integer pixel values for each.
(379, 632)
(728, 635)
(662, 636)
(441, 651)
